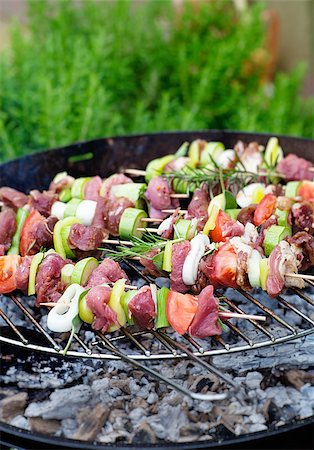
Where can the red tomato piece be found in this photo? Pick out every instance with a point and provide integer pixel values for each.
(265, 209)
(306, 190)
(217, 234)
(181, 309)
(8, 266)
(27, 233)
(223, 267)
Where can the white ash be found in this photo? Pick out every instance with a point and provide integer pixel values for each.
(20, 422)
(62, 404)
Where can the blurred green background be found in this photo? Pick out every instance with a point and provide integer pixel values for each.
(81, 70)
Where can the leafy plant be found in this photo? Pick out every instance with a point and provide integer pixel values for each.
(92, 69)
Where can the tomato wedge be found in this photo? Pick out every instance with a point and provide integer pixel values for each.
(306, 190)
(181, 309)
(265, 209)
(27, 234)
(223, 267)
(217, 234)
(8, 267)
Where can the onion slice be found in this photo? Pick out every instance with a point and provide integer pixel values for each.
(164, 226)
(153, 289)
(245, 197)
(86, 212)
(226, 159)
(60, 317)
(58, 209)
(190, 266)
(253, 267)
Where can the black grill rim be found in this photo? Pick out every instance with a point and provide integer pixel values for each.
(72, 443)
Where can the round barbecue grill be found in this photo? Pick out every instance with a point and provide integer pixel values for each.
(103, 157)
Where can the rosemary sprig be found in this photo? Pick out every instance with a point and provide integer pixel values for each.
(194, 177)
(140, 247)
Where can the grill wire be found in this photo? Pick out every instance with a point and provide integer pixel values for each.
(170, 345)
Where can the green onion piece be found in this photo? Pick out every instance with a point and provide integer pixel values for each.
(85, 313)
(65, 195)
(264, 270)
(130, 222)
(273, 236)
(125, 299)
(282, 217)
(60, 236)
(65, 232)
(167, 262)
(37, 259)
(233, 213)
(155, 167)
(211, 152)
(133, 191)
(115, 303)
(182, 186)
(66, 273)
(21, 216)
(77, 189)
(292, 189)
(273, 152)
(83, 269)
(182, 150)
(219, 200)
(161, 320)
(71, 207)
(60, 176)
(182, 228)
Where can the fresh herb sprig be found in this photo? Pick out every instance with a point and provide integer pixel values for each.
(194, 177)
(140, 247)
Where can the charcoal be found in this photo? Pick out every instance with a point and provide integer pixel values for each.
(12, 406)
(143, 433)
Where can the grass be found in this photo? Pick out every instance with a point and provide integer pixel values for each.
(110, 67)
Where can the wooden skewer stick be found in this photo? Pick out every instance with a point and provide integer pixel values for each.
(171, 211)
(179, 196)
(135, 172)
(127, 286)
(300, 275)
(117, 242)
(231, 315)
(150, 230)
(226, 315)
(151, 219)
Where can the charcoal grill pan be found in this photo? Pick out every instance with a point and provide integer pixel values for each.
(106, 156)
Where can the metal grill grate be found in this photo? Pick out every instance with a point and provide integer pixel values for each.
(277, 330)
(134, 346)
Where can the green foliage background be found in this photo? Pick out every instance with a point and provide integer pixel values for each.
(112, 67)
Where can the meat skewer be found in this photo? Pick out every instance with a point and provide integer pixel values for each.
(126, 242)
(109, 308)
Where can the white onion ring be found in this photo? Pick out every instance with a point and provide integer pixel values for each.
(60, 317)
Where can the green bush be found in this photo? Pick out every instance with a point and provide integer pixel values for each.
(107, 68)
